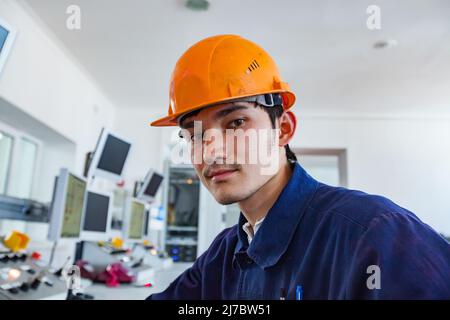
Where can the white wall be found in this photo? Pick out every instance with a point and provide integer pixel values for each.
(404, 159)
(53, 157)
(41, 79)
(133, 123)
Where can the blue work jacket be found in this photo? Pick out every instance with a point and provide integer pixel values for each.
(330, 243)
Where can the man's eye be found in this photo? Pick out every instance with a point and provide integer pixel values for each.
(237, 123)
(184, 134)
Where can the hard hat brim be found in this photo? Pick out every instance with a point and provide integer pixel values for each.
(171, 120)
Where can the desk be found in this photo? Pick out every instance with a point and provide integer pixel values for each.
(129, 292)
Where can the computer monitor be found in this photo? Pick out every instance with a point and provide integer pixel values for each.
(67, 206)
(146, 223)
(150, 186)
(7, 36)
(110, 156)
(134, 220)
(96, 216)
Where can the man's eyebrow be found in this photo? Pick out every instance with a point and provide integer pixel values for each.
(186, 124)
(227, 111)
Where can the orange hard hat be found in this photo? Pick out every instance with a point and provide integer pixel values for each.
(220, 69)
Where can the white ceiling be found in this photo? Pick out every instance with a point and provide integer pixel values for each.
(323, 48)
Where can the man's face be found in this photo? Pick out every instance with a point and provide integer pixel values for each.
(225, 162)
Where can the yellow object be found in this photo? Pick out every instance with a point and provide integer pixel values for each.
(219, 69)
(145, 242)
(117, 242)
(16, 241)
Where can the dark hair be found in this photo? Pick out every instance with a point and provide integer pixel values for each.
(274, 113)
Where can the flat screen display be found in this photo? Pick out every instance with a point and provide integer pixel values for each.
(136, 220)
(73, 209)
(153, 185)
(147, 222)
(96, 212)
(3, 36)
(113, 155)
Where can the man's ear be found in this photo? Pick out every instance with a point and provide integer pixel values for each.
(288, 125)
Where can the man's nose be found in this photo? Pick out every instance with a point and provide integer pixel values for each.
(214, 149)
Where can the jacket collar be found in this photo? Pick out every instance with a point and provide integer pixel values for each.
(280, 223)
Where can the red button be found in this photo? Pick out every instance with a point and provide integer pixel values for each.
(35, 255)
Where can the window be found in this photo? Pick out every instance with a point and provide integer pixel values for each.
(26, 161)
(6, 142)
(18, 162)
(7, 35)
(326, 165)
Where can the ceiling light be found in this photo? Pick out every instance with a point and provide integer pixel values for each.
(383, 44)
(197, 4)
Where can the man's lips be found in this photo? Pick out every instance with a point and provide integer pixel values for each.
(219, 175)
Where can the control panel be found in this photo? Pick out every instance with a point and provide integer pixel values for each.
(21, 278)
(182, 253)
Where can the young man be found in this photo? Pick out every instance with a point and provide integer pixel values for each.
(294, 233)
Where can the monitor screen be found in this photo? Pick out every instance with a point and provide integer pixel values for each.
(153, 185)
(3, 35)
(136, 220)
(73, 208)
(147, 222)
(96, 212)
(113, 155)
